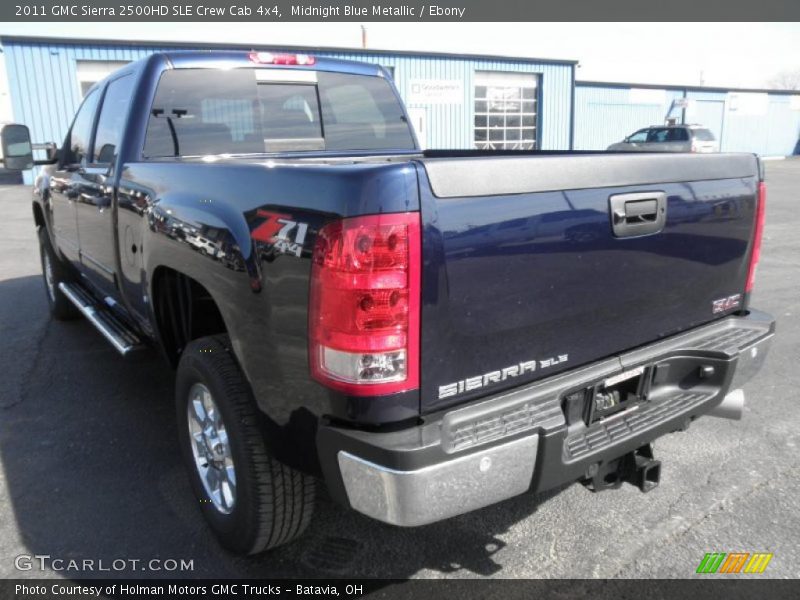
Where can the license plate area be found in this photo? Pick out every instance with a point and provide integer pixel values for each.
(616, 394)
(608, 397)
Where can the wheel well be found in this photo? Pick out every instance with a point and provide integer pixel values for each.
(184, 310)
(38, 215)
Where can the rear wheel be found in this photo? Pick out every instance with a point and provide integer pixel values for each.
(54, 272)
(251, 501)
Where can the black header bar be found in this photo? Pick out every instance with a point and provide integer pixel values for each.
(393, 10)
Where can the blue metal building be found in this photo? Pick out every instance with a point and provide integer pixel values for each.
(766, 122)
(454, 101)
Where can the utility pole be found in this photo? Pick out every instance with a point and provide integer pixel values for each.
(363, 37)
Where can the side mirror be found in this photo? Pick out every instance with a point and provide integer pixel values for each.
(15, 142)
(50, 150)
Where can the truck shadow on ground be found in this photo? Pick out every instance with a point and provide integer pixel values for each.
(92, 468)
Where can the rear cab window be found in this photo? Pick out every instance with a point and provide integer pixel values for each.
(199, 112)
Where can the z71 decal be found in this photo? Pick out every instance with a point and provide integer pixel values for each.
(283, 234)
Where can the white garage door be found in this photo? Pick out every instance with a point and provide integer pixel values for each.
(505, 110)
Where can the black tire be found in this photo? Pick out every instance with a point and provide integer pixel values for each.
(273, 503)
(60, 307)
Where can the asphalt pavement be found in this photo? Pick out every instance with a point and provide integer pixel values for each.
(90, 467)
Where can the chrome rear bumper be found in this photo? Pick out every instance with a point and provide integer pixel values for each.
(501, 447)
(439, 491)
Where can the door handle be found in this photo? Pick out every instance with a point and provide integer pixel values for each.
(641, 213)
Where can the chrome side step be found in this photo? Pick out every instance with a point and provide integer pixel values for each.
(124, 340)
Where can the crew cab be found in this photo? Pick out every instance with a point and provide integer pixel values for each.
(426, 332)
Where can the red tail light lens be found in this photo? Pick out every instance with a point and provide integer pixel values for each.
(364, 305)
(757, 235)
(269, 58)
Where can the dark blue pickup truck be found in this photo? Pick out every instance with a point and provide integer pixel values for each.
(427, 332)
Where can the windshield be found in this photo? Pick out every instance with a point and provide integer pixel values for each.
(639, 136)
(249, 111)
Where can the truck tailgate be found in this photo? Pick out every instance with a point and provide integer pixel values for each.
(528, 272)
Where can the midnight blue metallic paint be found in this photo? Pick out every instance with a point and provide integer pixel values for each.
(262, 295)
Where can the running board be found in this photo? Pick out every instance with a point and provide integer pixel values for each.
(113, 329)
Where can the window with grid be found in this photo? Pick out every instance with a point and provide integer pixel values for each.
(505, 111)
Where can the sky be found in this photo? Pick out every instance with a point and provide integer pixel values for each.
(712, 54)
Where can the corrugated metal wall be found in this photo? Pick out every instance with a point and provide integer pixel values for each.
(604, 115)
(45, 91)
(775, 133)
(767, 123)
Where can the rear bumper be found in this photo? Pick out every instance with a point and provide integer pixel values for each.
(506, 444)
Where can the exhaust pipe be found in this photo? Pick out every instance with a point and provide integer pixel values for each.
(731, 407)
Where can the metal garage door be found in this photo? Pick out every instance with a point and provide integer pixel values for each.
(506, 109)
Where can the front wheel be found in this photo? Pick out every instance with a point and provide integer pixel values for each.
(54, 272)
(251, 501)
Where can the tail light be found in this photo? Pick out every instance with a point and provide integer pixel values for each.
(757, 235)
(364, 304)
(270, 58)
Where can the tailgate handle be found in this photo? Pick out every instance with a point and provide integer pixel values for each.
(641, 213)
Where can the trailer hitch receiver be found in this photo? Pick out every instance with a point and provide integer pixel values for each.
(638, 468)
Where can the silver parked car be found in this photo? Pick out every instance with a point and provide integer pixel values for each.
(669, 138)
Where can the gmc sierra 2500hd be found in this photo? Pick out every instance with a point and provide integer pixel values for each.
(427, 332)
